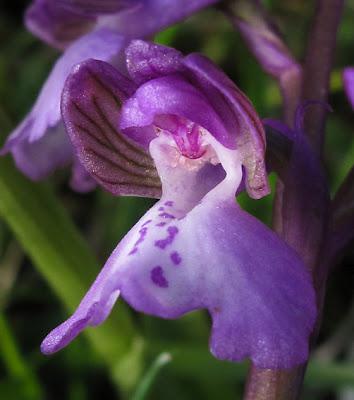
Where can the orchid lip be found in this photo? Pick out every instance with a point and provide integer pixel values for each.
(177, 259)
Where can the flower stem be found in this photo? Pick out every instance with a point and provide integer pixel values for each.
(267, 384)
(300, 223)
(318, 65)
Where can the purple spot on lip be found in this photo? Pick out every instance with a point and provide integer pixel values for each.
(158, 277)
(176, 258)
(169, 203)
(167, 215)
(161, 208)
(161, 224)
(147, 222)
(172, 232)
(143, 232)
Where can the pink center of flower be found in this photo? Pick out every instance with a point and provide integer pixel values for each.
(185, 133)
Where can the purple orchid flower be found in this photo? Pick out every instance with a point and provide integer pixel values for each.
(348, 80)
(86, 29)
(61, 22)
(40, 144)
(181, 123)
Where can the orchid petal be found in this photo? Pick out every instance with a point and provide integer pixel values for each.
(95, 8)
(42, 128)
(238, 114)
(81, 181)
(92, 310)
(39, 158)
(61, 22)
(56, 25)
(91, 105)
(170, 95)
(147, 61)
(152, 16)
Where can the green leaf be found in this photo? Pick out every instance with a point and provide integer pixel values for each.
(167, 36)
(17, 368)
(43, 227)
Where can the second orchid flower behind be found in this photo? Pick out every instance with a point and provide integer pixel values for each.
(97, 29)
(176, 127)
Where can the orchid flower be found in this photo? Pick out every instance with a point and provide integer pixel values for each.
(178, 129)
(84, 29)
(61, 22)
(348, 80)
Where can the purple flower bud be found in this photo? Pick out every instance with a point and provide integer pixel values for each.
(262, 37)
(180, 121)
(267, 46)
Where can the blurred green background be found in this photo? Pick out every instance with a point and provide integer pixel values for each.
(53, 242)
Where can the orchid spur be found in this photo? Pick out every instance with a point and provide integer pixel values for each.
(176, 128)
(96, 29)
